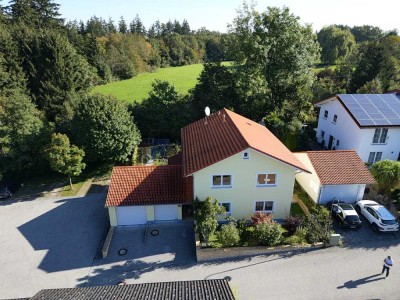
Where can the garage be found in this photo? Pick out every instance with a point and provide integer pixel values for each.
(166, 212)
(131, 215)
(145, 194)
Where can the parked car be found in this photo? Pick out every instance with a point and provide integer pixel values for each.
(379, 217)
(5, 193)
(330, 203)
(346, 215)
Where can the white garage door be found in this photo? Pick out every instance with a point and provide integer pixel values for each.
(166, 212)
(131, 215)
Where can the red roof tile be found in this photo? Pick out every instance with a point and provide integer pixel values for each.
(226, 133)
(148, 185)
(340, 167)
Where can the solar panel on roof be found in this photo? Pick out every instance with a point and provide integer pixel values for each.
(373, 109)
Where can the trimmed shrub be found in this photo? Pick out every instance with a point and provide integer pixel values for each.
(291, 223)
(261, 217)
(229, 235)
(298, 238)
(269, 234)
(318, 225)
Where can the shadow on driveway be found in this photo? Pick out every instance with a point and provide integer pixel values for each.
(352, 284)
(70, 233)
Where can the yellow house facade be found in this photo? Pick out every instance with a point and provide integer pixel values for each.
(257, 183)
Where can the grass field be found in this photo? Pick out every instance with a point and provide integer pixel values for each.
(137, 88)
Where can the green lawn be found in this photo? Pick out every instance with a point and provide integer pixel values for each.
(137, 88)
(183, 78)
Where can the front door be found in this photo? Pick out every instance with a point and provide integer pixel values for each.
(330, 142)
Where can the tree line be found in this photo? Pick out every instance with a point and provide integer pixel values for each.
(47, 68)
(126, 50)
(366, 59)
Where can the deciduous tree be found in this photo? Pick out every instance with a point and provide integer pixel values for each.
(103, 127)
(386, 173)
(64, 157)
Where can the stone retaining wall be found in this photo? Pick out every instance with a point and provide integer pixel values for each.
(213, 254)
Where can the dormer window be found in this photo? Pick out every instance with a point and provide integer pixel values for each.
(246, 155)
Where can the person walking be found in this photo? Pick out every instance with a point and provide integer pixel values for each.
(387, 263)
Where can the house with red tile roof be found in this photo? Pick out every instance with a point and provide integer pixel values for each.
(339, 174)
(240, 163)
(226, 156)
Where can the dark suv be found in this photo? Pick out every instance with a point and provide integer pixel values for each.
(346, 215)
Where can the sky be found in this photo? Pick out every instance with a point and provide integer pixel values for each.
(216, 14)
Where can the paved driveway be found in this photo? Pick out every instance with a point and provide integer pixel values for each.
(168, 245)
(48, 242)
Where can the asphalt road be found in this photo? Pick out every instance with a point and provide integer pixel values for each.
(51, 243)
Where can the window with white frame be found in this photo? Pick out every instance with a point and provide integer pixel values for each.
(222, 181)
(322, 134)
(246, 155)
(325, 114)
(380, 136)
(374, 157)
(227, 206)
(264, 206)
(337, 143)
(334, 118)
(266, 179)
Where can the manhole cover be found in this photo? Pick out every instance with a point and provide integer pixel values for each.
(155, 232)
(122, 252)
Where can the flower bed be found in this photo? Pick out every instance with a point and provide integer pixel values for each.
(205, 254)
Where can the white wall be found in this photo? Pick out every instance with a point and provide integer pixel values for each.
(309, 182)
(244, 191)
(345, 129)
(345, 192)
(390, 150)
(351, 136)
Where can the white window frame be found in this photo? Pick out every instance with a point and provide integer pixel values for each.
(376, 156)
(267, 184)
(337, 143)
(227, 213)
(246, 154)
(221, 186)
(322, 134)
(380, 133)
(265, 211)
(326, 114)
(334, 120)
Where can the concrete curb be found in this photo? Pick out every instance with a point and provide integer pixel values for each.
(107, 242)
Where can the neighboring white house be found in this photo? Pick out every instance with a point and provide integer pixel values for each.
(366, 123)
(335, 174)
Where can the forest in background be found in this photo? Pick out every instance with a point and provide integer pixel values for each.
(48, 67)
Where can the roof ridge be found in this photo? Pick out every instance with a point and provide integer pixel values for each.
(228, 112)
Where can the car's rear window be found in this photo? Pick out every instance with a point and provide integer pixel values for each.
(389, 222)
(352, 218)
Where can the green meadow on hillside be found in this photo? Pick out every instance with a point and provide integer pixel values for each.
(183, 78)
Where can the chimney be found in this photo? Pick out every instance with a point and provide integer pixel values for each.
(223, 116)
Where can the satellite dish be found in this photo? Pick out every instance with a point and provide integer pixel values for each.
(207, 111)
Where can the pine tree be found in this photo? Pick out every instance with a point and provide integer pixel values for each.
(122, 26)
